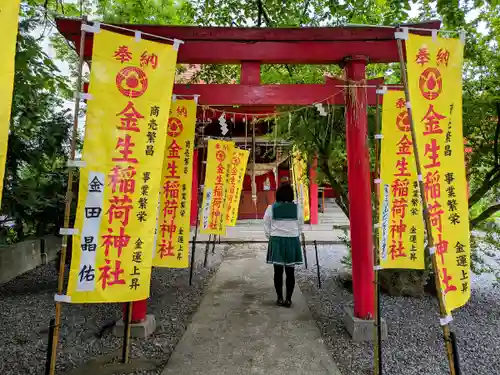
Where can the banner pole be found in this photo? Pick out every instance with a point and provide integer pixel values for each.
(213, 244)
(303, 237)
(456, 358)
(200, 199)
(193, 249)
(126, 333)
(317, 263)
(428, 227)
(67, 208)
(205, 261)
(49, 345)
(377, 332)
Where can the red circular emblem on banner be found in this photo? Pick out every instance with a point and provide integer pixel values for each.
(175, 127)
(403, 121)
(220, 156)
(236, 160)
(430, 83)
(132, 82)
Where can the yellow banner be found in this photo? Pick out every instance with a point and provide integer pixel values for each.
(236, 176)
(435, 82)
(173, 228)
(9, 19)
(130, 91)
(213, 209)
(299, 175)
(401, 233)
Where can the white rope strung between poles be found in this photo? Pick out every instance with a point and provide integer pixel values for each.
(271, 114)
(289, 112)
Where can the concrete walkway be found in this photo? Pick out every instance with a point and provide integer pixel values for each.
(238, 330)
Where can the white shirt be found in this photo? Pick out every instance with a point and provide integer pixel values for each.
(283, 228)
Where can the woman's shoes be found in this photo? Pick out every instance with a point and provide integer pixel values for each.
(287, 303)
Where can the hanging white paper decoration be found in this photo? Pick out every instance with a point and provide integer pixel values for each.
(321, 109)
(223, 124)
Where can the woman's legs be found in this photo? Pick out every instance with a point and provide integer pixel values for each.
(290, 282)
(278, 280)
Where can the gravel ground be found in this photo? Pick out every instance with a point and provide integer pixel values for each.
(27, 305)
(415, 344)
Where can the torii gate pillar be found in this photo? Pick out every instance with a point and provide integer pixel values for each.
(359, 185)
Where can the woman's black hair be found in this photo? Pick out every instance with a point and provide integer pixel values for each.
(284, 193)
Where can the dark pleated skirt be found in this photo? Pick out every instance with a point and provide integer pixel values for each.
(285, 251)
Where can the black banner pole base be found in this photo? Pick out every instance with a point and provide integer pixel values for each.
(456, 357)
(205, 261)
(304, 249)
(317, 264)
(213, 244)
(191, 265)
(52, 325)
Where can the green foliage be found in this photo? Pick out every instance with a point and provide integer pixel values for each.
(346, 240)
(163, 12)
(324, 137)
(482, 130)
(34, 184)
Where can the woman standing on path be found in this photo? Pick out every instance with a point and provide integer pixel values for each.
(283, 222)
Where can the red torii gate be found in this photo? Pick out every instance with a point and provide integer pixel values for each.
(352, 46)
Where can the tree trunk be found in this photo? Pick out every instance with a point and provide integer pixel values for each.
(40, 228)
(484, 215)
(491, 179)
(19, 229)
(342, 200)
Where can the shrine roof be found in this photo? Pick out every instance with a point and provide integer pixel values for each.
(231, 45)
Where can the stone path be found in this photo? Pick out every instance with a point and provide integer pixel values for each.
(238, 330)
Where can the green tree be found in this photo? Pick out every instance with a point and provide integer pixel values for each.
(162, 12)
(323, 137)
(34, 185)
(482, 114)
